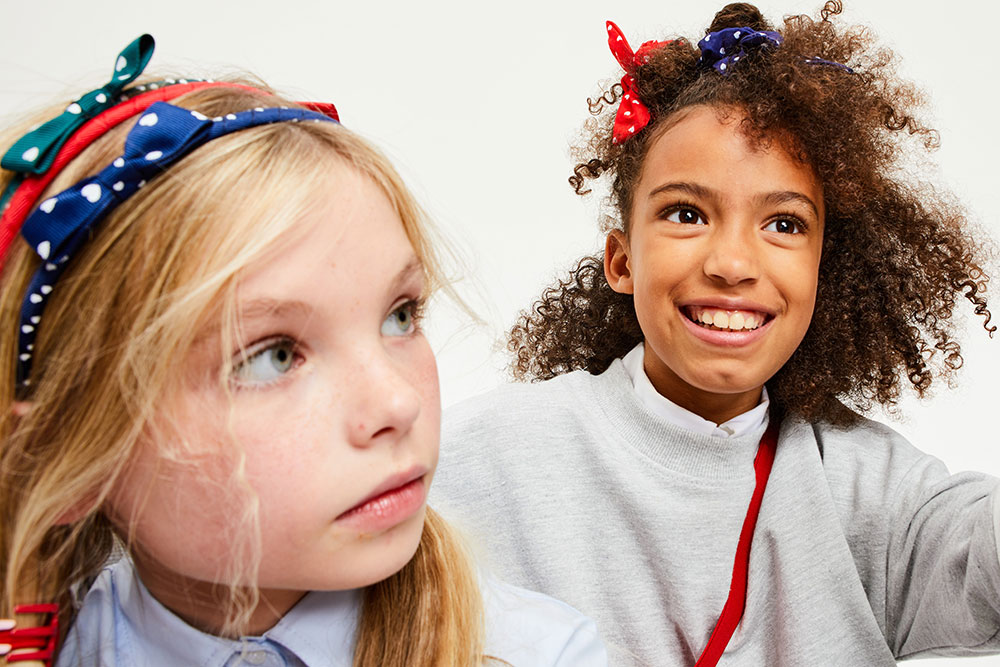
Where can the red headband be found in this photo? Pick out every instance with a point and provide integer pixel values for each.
(24, 198)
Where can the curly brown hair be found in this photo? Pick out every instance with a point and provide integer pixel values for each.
(896, 255)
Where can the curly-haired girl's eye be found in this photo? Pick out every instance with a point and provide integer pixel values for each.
(784, 226)
(686, 216)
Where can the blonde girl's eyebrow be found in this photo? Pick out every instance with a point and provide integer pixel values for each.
(256, 309)
(412, 270)
(270, 307)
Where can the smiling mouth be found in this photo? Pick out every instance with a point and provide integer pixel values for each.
(717, 319)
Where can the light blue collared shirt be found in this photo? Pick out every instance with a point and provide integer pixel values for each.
(121, 624)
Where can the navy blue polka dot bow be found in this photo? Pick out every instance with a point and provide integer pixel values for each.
(163, 134)
(720, 50)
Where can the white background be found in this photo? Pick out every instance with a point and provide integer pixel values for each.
(477, 106)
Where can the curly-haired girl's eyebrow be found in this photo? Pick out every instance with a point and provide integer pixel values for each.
(691, 189)
(767, 199)
(787, 197)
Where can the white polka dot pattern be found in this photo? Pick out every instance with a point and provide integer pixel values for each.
(632, 114)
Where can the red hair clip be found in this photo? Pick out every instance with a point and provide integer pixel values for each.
(42, 638)
(632, 114)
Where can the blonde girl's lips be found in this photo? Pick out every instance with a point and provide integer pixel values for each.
(726, 338)
(387, 509)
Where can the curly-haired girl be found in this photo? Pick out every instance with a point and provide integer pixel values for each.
(765, 235)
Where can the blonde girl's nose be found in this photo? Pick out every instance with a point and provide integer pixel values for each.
(384, 403)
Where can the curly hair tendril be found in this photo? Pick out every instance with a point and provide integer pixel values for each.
(608, 97)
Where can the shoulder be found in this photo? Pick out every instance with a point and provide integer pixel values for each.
(876, 476)
(516, 433)
(864, 448)
(866, 463)
(566, 402)
(524, 398)
(530, 629)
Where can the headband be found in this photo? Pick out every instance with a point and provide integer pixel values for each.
(60, 225)
(35, 151)
(52, 145)
(720, 50)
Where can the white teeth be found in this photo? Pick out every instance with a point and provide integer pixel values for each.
(733, 320)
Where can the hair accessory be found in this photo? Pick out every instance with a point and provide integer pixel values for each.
(22, 194)
(43, 637)
(632, 114)
(34, 152)
(162, 135)
(821, 61)
(721, 49)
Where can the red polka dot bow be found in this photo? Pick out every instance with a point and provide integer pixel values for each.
(632, 114)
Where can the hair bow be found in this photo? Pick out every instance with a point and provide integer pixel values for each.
(632, 114)
(723, 48)
(34, 152)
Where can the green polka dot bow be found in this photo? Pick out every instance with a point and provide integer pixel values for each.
(34, 152)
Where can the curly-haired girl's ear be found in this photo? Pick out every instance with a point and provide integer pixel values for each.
(617, 269)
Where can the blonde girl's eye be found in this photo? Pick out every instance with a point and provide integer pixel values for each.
(686, 216)
(266, 364)
(401, 321)
(785, 226)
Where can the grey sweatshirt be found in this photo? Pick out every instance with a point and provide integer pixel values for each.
(866, 549)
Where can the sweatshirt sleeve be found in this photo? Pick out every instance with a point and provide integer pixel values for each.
(942, 566)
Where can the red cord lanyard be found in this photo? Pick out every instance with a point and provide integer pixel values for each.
(732, 612)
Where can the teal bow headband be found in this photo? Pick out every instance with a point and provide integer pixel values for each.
(34, 152)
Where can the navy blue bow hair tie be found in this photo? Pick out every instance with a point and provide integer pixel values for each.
(720, 50)
(163, 135)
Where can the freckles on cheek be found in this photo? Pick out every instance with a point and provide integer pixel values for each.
(281, 451)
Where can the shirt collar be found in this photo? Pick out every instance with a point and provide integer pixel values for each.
(666, 409)
(319, 630)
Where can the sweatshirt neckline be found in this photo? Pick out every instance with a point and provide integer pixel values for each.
(665, 443)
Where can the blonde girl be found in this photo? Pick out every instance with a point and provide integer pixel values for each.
(219, 416)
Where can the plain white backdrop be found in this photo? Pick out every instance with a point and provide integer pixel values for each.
(477, 105)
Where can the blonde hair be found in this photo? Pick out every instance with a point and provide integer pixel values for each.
(119, 318)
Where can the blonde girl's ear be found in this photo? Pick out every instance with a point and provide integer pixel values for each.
(616, 262)
(78, 510)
